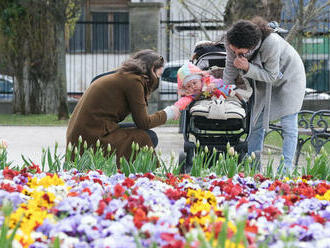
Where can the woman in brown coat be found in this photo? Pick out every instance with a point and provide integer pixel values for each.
(111, 98)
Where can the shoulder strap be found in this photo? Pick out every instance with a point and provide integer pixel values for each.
(103, 74)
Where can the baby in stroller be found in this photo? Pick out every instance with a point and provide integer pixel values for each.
(214, 113)
(194, 84)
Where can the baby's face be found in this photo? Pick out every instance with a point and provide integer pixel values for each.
(193, 87)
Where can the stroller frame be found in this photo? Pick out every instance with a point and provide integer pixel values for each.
(213, 133)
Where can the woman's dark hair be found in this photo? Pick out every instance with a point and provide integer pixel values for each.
(142, 63)
(247, 34)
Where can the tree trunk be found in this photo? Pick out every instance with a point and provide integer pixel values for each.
(19, 101)
(43, 95)
(63, 112)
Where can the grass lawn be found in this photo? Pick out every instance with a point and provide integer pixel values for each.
(275, 139)
(31, 120)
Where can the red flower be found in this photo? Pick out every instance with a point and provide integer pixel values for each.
(322, 188)
(229, 188)
(241, 202)
(34, 168)
(128, 182)
(307, 177)
(107, 199)
(175, 194)
(109, 216)
(271, 213)
(119, 190)
(260, 178)
(318, 218)
(217, 228)
(54, 211)
(290, 199)
(212, 177)
(46, 198)
(149, 175)
(73, 193)
(251, 228)
(87, 190)
(135, 203)
(275, 186)
(9, 174)
(7, 187)
(305, 190)
(295, 224)
(97, 180)
(139, 218)
(101, 207)
(172, 242)
(83, 178)
(241, 174)
(172, 180)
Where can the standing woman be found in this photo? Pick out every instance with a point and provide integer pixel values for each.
(111, 98)
(278, 77)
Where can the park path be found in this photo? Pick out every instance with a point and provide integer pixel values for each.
(30, 140)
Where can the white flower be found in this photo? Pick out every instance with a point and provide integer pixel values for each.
(88, 220)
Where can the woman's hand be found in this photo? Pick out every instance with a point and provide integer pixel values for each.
(172, 112)
(177, 112)
(242, 63)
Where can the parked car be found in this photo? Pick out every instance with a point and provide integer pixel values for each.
(6, 87)
(168, 81)
(311, 94)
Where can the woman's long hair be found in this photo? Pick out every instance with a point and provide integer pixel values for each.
(142, 63)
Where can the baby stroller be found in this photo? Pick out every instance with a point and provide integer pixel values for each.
(214, 123)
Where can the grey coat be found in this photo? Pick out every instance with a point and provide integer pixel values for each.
(278, 75)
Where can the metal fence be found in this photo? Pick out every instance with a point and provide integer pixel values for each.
(101, 46)
(178, 39)
(95, 47)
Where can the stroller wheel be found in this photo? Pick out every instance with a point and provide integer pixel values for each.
(182, 161)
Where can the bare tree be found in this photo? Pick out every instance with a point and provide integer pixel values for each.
(205, 10)
(303, 11)
(306, 13)
(246, 9)
(35, 49)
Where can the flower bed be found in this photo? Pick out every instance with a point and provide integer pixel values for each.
(72, 209)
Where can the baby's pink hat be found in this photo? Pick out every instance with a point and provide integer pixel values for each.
(188, 71)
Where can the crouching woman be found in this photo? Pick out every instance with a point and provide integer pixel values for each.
(111, 98)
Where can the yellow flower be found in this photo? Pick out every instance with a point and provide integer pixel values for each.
(230, 244)
(32, 214)
(45, 181)
(326, 196)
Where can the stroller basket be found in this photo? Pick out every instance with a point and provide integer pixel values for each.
(203, 123)
(218, 140)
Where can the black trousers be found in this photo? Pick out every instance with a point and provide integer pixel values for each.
(153, 136)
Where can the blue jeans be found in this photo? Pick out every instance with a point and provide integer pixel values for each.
(290, 137)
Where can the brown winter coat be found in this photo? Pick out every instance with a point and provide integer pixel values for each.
(107, 102)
